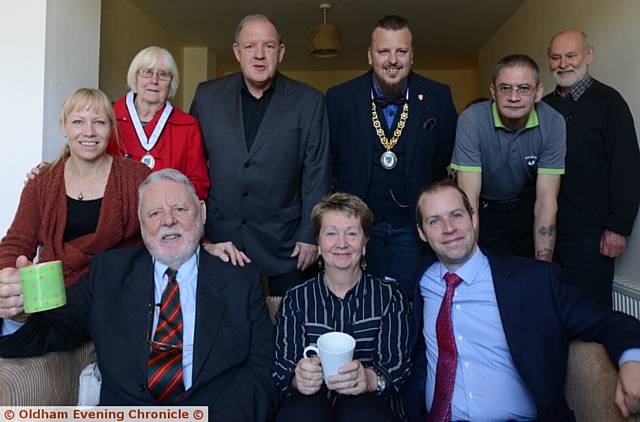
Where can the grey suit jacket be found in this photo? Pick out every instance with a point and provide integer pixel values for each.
(233, 341)
(261, 199)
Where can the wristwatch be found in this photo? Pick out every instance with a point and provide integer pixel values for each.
(381, 384)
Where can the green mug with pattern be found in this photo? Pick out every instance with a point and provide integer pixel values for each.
(43, 287)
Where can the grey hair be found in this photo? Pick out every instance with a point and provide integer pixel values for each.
(516, 60)
(170, 175)
(149, 57)
(250, 18)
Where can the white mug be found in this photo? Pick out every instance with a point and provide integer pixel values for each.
(335, 349)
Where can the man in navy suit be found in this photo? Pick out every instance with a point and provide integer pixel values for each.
(496, 330)
(222, 339)
(392, 133)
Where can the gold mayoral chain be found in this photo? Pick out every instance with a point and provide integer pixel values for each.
(388, 159)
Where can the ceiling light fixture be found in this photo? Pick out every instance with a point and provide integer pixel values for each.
(325, 38)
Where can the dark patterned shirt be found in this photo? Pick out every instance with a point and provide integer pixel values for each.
(578, 89)
(375, 313)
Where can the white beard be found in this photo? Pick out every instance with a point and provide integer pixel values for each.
(578, 75)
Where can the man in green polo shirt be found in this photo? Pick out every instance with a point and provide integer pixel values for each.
(508, 158)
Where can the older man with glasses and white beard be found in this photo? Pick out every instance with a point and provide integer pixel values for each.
(172, 325)
(596, 205)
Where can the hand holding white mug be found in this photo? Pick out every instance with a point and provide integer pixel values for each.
(353, 379)
(308, 376)
(11, 299)
(334, 349)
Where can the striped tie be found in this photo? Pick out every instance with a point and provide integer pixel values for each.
(164, 368)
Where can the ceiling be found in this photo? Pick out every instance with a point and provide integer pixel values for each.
(447, 34)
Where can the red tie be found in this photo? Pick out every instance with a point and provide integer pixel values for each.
(447, 356)
(165, 359)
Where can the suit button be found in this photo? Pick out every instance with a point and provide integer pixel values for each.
(142, 387)
(246, 165)
(245, 194)
(244, 221)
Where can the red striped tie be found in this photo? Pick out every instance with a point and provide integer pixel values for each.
(447, 356)
(164, 368)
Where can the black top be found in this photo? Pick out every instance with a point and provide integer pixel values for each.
(82, 217)
(600, 188)
(253, 110)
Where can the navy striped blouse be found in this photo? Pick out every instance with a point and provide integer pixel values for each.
(375, 313)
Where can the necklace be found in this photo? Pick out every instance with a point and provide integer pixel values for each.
(80, 196)
(388, 159)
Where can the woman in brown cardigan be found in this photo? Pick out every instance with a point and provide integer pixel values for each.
(84, 203)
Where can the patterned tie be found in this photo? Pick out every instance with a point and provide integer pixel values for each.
(447, 356)
(164, 368)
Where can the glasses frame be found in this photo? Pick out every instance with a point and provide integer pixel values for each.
(158, 345)
(517, 88)
(163, 75)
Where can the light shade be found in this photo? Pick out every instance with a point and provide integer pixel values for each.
(325, 41)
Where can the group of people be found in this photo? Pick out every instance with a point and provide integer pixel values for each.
(246, 177)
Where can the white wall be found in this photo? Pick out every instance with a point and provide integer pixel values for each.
(613, 28)
(47, 48)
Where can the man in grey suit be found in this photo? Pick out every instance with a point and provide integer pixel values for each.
(267, 141)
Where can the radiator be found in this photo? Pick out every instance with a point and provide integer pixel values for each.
(626, 296)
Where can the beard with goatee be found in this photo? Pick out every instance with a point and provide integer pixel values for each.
(395, 90)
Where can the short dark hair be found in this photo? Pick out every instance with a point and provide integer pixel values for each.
(439, 186)
(346, 204)
(391, 23)
(515, 60)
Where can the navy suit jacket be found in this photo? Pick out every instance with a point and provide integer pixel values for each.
(233, 342)
(540, 313)
(429, 134)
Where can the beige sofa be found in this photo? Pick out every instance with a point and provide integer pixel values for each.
(53, 379)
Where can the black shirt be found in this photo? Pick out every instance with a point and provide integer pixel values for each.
(253, 110)
(82, 218)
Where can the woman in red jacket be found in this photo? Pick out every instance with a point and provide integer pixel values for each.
(151, 129)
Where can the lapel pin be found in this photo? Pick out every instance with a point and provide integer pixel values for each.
(420, 97)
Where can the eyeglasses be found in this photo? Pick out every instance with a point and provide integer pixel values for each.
(158, 345)
(524, 90)
(163, 75)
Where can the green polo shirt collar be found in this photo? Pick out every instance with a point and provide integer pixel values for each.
(532, 120)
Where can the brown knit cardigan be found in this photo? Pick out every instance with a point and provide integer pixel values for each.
(42, 217)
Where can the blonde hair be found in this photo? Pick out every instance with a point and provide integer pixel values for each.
(148, 58)
(81, 99)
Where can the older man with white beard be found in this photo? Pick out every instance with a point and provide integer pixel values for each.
(598, 199)
(172, 325)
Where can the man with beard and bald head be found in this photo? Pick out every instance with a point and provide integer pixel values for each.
(171, 324)
(599, 196)
(391, 133)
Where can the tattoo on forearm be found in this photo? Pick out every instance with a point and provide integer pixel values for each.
(547, 230)
(544, 254)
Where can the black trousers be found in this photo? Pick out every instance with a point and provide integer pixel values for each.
(279, 284)
(318, 408)
(506, 227)
(586, 267)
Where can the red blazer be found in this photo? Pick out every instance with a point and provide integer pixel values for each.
(179, 146)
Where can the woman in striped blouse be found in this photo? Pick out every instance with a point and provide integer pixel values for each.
(343, 297)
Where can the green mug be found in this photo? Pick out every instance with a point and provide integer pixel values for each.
(43, 287)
